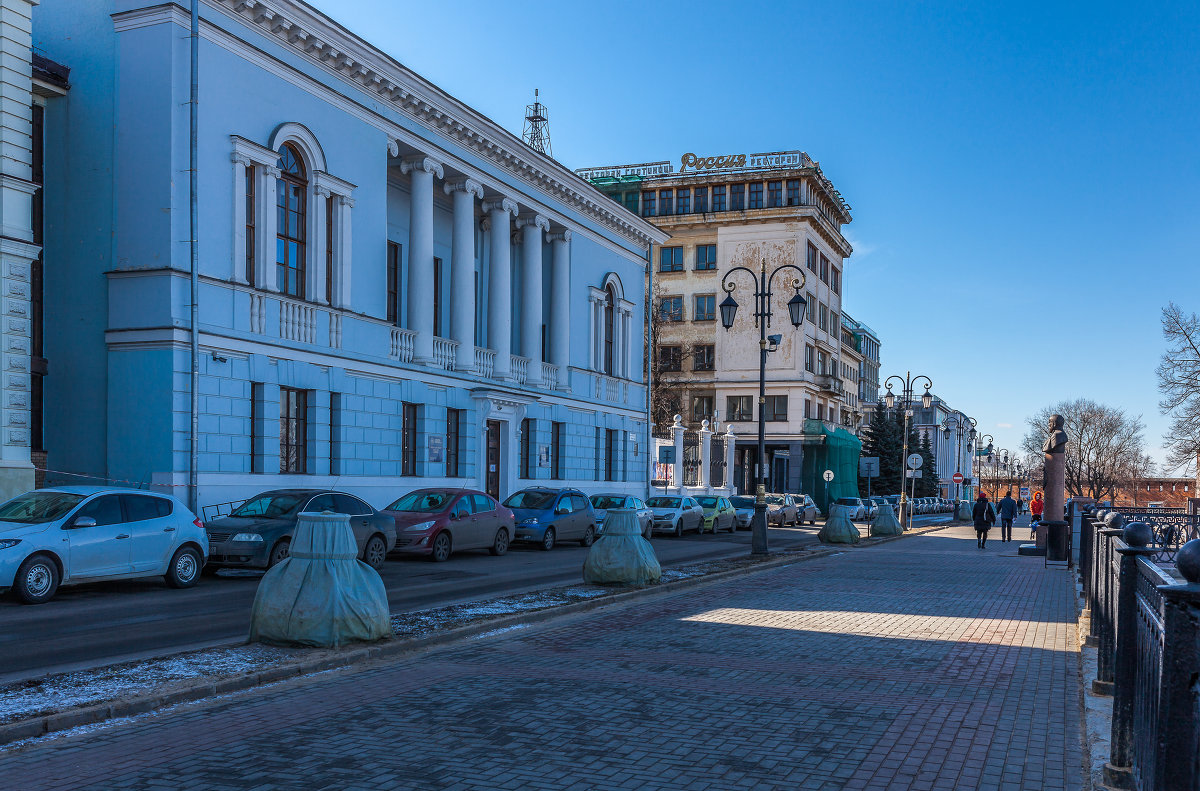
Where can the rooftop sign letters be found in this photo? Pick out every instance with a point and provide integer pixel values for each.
(619, 171)
(694, 163)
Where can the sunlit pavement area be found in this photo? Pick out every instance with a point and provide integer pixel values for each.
(925, 663)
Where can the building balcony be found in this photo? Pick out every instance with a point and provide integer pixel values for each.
(827, 383)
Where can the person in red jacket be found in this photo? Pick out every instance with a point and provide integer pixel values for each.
(1036, 507)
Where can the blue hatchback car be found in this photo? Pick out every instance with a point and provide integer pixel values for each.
(545, 516)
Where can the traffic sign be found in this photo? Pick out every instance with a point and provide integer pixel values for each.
(913, 473)
(958, 477)
(828, 476)
(915, 460)
(868, 467)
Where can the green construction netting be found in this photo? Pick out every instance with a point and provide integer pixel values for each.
(839, 452)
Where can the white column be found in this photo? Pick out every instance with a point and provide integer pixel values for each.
(240, 163)
(317, 213)
(500, 211)
(267, 199)
(559, 335)
(462, 271)
(677, 435)
(706, 456)
(342, 250)
(730, 458)
(532, 228)
(420, 254)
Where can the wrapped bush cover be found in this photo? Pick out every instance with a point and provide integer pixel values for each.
(838, 528)
(885, 523)
(321, 594)
(621, 556)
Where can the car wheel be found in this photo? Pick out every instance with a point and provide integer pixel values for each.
(36, 580)
(375, 552)
(184, 570)
(500, 543)
(548, 539)
(679, 529)
(441, 547)
(589, 537)
(279, 553)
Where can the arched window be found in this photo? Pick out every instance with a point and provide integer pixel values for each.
(292, 208)
(610, 328)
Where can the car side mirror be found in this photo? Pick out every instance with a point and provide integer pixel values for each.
(83, 521)
(562, 509)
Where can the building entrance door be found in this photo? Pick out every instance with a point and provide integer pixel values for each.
(492, 477)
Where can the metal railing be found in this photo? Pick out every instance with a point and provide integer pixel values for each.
(691, 458)
(716, 461)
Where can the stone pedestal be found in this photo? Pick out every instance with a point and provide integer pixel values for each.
(621, 556)
(838, 528)
(1055, 493)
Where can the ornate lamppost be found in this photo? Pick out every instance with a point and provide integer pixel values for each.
(976, 462)
(958, 423)
(762, 319)
(1002, 462)
(906, 399)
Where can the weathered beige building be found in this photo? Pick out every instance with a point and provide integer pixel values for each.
(749, 210)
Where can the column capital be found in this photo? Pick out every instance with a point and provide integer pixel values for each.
(272, 171)
(421, 162)
(501, 204)
(239, 158)
(560, 236)
(345, 200)
(393, 146)
(533, 219)
(463, 185)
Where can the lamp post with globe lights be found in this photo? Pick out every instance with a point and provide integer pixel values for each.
(959, 425)
(906, 400)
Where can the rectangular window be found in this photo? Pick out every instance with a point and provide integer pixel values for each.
(718, 197)
(793, 192)
(255, 429)
(835, 280)
(408, 440)
(705, 358)
(597, 455)
(701, 200)
(706, 308)
(810, 258)
(807, 409)
(822, 362)
(610, 454)
(648, 203)
(833, 322)
(335, 433)
(706, 257)
(329, 250)
(453, 443)
(683, 201)
(670, 259)
(631, 201)
(824, 269)
(811, 308)
(293, 430)
(756, 195)
(670, 309)
(670, 358)
(775, 194)
(702, 407)
(557, 431)
(737, 197)
(291, 260)
(665, 202)
(823, 321)
(740, 409)
(808, 357)
(776, 408)
(527, 439)
(251, 178)
(393, 283)
(437, 296)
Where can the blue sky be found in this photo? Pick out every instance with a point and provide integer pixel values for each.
(1024, 177)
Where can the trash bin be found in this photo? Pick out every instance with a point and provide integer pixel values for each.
(1058, 544)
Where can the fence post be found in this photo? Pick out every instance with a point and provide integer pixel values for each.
(1118, 772)
(1085, 559)
(677, 435)
(1094, 579)
(1177, 764)
(705, 456)
(730, 459)
(1103, 685)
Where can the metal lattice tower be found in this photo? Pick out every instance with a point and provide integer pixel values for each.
(537, 126)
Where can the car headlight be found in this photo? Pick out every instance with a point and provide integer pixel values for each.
(419, 526)
(249, 537)
(8, 543)
(533, 520)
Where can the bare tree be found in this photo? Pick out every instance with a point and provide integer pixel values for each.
(670, 387)
(1179, 382)
(1107, 449)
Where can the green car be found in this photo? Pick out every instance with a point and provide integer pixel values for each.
(718, 514)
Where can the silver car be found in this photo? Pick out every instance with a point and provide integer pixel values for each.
(743, 506)
(601, 503)
(855, 510)
(807, 508)
(676, 515)
(782, 510)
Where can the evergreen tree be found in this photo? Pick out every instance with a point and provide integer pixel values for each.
(927, 484)
(883, 437)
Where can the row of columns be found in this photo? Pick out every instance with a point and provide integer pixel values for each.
(500, 212)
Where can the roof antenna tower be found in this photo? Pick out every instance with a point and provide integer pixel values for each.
(537, 126)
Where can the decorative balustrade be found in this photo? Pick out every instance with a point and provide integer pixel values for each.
(335, 330)
(258, 313)
(520, 368)
(444, 351)
(549, 376)
(485, 362)
(402, 345)
(297, 321)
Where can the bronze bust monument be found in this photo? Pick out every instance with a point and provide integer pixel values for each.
(1057, 441)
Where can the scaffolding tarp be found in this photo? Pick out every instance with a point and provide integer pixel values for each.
(839, 452)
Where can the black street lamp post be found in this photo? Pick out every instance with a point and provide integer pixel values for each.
(906, 398)
(762, 320)
(980, 448)
(958, 424)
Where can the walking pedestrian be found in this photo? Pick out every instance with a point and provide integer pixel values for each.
(1036, 507)
(984, 516)
(1008, 512)
(1020, 505)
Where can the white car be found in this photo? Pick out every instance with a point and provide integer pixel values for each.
(73, 534)
(676, 515)
(855, 510)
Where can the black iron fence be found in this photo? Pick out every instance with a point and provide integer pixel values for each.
(691, 458)
(1145, 620)
(716, 461)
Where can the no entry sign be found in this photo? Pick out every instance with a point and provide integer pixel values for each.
(957, 477)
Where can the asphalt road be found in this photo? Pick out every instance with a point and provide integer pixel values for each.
(103, 623)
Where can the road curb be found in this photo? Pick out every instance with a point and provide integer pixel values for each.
(92, 714)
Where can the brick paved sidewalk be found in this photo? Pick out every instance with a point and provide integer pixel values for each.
(924, 663)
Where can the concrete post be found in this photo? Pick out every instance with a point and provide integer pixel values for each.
(677, 434)
(730, 458)
(705, 457)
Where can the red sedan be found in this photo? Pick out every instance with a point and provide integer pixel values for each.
(437, 522)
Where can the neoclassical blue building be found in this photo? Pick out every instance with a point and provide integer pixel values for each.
(394, 291)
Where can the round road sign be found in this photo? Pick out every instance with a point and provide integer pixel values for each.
(828, 475)
(957, 477)
(915, 461)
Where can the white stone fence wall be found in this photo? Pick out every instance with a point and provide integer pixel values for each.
(675, 470)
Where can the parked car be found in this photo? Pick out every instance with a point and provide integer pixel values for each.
(72, 534)
(743, 508)
(437, 522)
(782, 510)
(718, 514)
(546, 516)
(258, 533)
(855, 510)
(602, 503)
(675, 515)
(882, 502)
(807, 508)
(869, 507)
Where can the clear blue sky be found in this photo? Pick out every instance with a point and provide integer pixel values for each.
(1024, 177)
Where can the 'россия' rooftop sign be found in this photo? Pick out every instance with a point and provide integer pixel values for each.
(694, 163)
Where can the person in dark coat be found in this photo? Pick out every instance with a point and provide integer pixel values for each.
(1008, 512)
(984, 517)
